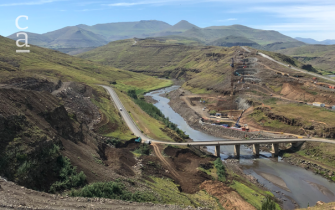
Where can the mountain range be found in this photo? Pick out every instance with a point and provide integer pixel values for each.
(313, 41)
(81, 38)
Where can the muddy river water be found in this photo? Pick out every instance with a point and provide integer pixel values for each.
(285, 181)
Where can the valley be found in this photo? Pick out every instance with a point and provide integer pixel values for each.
(63, 136)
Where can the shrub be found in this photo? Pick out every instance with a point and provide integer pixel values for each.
(220, 170)
(143, 149)
(112, 190)
(68, 175)
(269, 204)
(132, 94)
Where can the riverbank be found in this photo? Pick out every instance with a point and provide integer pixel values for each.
(248, 164)
(315, 158)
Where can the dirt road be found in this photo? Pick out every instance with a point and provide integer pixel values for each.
(165, 162)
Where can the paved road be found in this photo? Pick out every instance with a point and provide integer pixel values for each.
(133, 127)
(294, 68)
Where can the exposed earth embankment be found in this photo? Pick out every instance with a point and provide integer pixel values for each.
(193, 119)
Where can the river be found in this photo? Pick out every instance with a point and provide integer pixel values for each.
(303, 186)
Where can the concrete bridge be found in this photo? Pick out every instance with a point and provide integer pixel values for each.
(217, 143)
(255, 144)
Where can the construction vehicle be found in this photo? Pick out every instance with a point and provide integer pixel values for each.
(236, 124)
(138, 140)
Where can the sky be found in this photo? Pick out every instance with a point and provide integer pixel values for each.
(295, 18)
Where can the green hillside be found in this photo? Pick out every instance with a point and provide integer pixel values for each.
(202, 66)
(230, 41)
(51, 64)
(321, 57)
(68, 37)
(262, 37)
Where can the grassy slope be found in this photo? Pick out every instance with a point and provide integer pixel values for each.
(305, 115)
(127, 29)
(170, 194)
(320, 56)
(261, 37)
(53, 65)
(163, 59)
(149, 126)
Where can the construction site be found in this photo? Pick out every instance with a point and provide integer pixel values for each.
(257, 84)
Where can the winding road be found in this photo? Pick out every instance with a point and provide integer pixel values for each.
(137, 132)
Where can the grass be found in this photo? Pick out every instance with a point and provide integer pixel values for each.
(319, 152)
(260, 117)
(305, 113)
(169, 193)
(172, 61)
(220, 170)
(251, 196)
(113, 125)
(113, 190)
(315, 55)
(154, 112)
(52, 65)
(150, 126)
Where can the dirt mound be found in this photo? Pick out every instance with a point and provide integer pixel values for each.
(228, 198)
(120, 160)
(185, 162)
(153, 167)
(305, 93)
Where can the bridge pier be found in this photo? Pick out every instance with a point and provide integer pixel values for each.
(237, 150)
(255, 149)
(217, 151)
(275, 150)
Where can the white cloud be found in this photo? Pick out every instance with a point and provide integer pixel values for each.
(29, 3)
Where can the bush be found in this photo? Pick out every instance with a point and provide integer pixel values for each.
(269, 204)
(68, 175)
(132, 94)
(220, 170)
(144, 149)
(114, 142)
(112, 190)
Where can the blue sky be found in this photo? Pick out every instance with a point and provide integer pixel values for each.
(303, 18)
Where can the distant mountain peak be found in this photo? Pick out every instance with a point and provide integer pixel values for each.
(182, 25)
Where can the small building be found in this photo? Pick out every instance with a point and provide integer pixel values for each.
(333, 107)
(319, 104)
